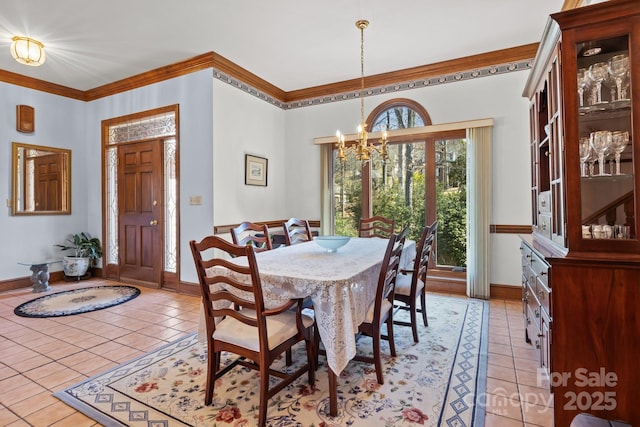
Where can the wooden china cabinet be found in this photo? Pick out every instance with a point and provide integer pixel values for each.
(581, 264)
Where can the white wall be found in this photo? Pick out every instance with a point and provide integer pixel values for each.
(193, 93)
(244, 124)
(498, 97)
(59, 122)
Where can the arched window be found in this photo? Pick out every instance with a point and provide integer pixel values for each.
(423, 179)
(398, 113)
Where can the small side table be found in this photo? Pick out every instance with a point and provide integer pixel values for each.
(40, 276)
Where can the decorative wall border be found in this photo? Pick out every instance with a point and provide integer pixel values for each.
(238, 84)
(378, 90)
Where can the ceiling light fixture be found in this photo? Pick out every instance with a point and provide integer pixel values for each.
(362, 149)
(27, 51)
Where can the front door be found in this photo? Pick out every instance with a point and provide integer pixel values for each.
(140, 221)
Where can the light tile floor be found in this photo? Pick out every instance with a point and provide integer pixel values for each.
(40, 356)
(517, 395)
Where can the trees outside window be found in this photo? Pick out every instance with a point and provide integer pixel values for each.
(420, 182)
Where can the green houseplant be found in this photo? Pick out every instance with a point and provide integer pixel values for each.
(86, 251)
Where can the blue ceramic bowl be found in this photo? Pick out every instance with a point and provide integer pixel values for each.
(331, 243)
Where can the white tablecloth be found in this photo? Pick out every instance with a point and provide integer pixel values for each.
(341, 285)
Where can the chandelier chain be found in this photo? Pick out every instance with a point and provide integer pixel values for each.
(362, 25)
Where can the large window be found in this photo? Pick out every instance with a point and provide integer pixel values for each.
(421, 181)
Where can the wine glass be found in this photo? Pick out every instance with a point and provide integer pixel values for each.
(618, 68)
(600, 141)
(585, 153)
(597, 73)
(610, 82)
(619, 141)
(593, 156)
(583, 84)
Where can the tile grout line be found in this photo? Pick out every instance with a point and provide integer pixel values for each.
(515, 371)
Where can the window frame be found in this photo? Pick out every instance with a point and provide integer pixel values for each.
(429, 140)
(367, 200)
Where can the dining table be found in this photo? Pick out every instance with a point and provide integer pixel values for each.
(341, 285)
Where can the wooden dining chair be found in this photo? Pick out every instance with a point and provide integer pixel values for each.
(410, 284)
(381, 309)
(296, 231)
(433, 229)
(254, 333)
(376, 226)
(249, 233)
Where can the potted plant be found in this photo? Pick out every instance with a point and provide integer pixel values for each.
(86, 251)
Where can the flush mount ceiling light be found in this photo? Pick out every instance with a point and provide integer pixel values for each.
(27, 51)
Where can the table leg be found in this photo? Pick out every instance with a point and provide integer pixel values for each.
(333, 393)
(40, 277)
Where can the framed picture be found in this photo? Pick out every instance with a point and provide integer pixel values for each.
(255, 170)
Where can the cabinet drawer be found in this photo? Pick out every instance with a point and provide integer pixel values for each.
(525, 251)
(540, 269)
(545, 344)
(544, 202)
(533, 323)
(543, 293)
(544, 225)
(525, 260)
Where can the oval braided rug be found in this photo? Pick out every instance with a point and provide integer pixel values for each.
(77, 301)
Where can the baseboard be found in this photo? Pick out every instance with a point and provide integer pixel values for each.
(444, 284)
(509, 292)
(189, 288)
(458, 286)
(25, 282)
(9, 285)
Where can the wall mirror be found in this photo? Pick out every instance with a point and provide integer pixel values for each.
(41, 180)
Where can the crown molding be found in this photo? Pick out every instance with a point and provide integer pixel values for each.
(438, 69)
(485, 64)
(41, 85)
(197, 63)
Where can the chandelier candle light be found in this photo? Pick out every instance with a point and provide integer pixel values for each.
(362, 149)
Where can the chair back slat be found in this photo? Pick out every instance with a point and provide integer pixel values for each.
(376, 226)
(296, 231)
(256, 235)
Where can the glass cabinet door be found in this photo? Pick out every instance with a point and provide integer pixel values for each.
(605, 140)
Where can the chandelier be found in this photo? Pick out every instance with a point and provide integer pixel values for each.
(27, 51)
(362, 148)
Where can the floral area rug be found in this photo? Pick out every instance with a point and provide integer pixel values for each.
(77, 301)
(438, 381)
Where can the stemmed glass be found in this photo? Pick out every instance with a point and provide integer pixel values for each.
(583, 84)
(585, 153)
(610, 82)
(618, 68)
(593, 156)
(597, 73)
(600, 141)
(619, 141)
